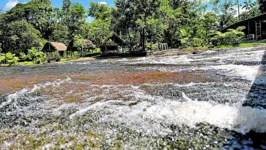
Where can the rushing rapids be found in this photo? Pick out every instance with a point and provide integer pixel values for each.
(213, 100)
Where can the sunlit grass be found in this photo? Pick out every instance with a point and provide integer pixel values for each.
(67, 59)
(243, 45)
(26, 63)
(226, 46)
(252, 44)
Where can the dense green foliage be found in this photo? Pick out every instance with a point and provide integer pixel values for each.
(8, 58)
(20, 36)
(141, 23)
(231, 37)
(36, 56)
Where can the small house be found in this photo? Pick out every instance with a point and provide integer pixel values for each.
(112, 44)
(52, 47)
(255, 27)
(86, 45)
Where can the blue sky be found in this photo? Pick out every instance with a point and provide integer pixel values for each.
(7, 4)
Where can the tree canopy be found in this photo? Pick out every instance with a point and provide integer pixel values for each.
(139, 22)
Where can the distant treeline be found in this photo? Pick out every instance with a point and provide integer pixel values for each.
(140, 23)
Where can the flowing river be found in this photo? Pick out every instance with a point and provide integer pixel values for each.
(212, 100)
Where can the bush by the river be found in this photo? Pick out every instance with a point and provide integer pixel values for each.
(231, 37)
(8, 58)
(36, 56)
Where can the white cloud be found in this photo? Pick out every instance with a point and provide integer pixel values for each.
(10, 4)
(103, 3)
(241, 10)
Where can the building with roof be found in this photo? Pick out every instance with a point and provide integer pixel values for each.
(255, 27)
(51, 47)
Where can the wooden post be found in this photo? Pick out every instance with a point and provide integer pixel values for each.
(248, 27)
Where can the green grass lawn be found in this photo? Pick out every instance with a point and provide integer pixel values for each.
(251, 44)
(26, 63)
(243, 45)
(227, 46)
(67, 59)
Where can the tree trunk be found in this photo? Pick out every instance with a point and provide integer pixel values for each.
(143, 39)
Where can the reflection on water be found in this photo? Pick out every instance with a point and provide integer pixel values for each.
(183, 102)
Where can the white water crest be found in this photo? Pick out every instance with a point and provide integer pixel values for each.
(240, 71)
(149, 111)
(208, 57)
(12, 98)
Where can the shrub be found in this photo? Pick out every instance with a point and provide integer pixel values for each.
(196, 42)
(235, 36)
(151, 46)
(184, 41)
(11, 59)
(96, 50)
(2, 58)
(36, 56)
(231, 37)
(23, 56)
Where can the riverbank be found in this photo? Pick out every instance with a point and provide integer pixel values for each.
(169, 52)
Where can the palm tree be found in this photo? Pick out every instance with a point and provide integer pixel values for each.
(262, 4)
(248, 5)
(238, 9)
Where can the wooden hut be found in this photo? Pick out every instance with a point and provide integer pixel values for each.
(86, 45)
(51, 47)
(112, 44)
(255, 27)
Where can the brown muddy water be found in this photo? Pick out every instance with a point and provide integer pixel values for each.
(213, 100)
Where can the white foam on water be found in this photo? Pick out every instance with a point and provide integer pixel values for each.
(124, 59)
(241, 71)
(183, 59)
(148, 112)
(104, 61)
(238, 54)
(12, 98)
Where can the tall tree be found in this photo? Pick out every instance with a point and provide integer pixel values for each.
(66, 12)
(99, 28)
(19, 36)
(248, 5)
(262, 7)
(43, 20)
(238, 9)
(208, 26)
(176, 15)
(99, 11)
(143, 17)
(77, 18)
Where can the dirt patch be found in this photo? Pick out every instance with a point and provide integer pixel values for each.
(83, 59)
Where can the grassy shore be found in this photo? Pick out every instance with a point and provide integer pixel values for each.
(226, 46)
(254, 44)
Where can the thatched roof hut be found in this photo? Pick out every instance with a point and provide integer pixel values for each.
(112, 46)
(86, 44)
(116, 40)
(54, 46)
